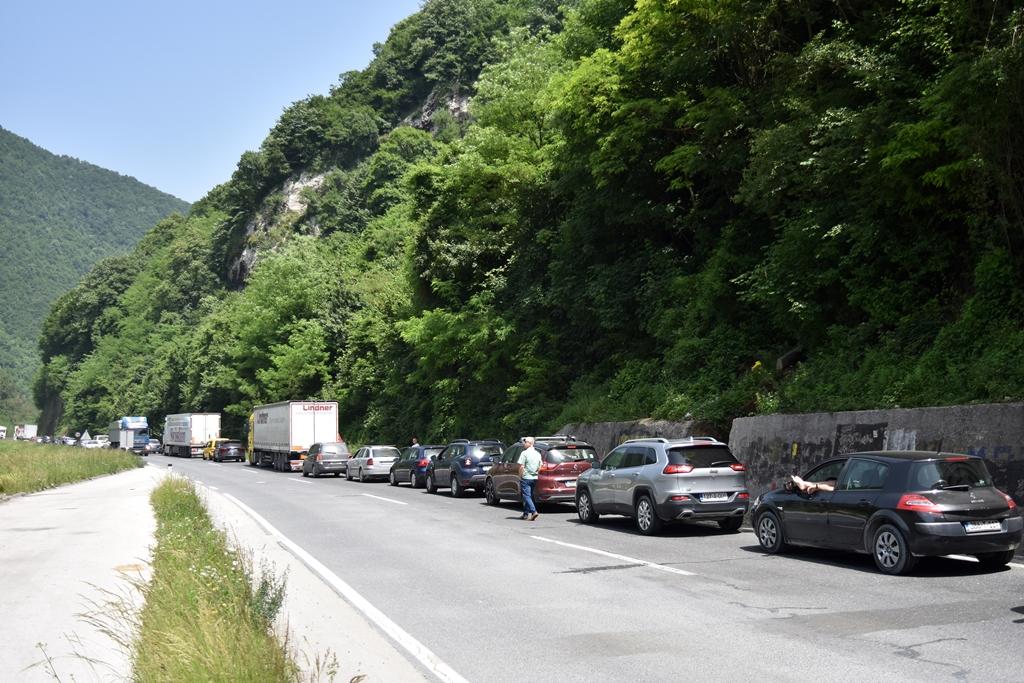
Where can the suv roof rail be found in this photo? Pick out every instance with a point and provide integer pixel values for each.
(555, 437)
(659, 439)
(459, 441)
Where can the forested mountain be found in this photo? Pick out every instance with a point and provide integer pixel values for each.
(520, 215)
(58, 216)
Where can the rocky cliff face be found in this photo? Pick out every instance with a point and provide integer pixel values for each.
(274, 222)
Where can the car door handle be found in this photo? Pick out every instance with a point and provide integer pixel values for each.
(634, 475)
(863, 503)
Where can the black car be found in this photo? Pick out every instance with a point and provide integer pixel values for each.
(463, 464)
(412, 465)
(897, 506)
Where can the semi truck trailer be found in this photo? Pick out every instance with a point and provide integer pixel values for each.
(185, 434)
(281, 433)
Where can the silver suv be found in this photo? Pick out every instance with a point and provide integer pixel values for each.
(662, 480)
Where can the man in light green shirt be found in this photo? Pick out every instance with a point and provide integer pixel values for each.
(529, 468)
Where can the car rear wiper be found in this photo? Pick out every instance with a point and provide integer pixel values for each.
(720, 462)
(943, 486)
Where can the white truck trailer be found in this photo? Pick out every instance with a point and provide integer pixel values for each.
(281, 433)
(185, 434)
(26, 432)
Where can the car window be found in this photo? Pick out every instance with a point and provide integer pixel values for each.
(483, 451)
(314, 449)
(827, 471)
(636, 456)
(862, 475)
(613, 461)
(429, 453)
(386, 452)
(701, 456)
(934, 474)
(512, 454)
(560, 455)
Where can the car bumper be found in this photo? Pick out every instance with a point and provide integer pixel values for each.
(375, 471)
(695, 510)
(946, 538)
(473, 481)
(329, 467)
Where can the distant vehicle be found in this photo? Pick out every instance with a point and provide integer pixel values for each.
(70, 441)
(3, 432)
(462, 465)
(186, 433)
(152, 446)
(326, 458)
(371, 462)
(104, 439)
(563, 459)
(90, 443)
(130, 433)
(210, 447)
(26, 432)
(896, 506)
(229, 450)
(281, 433)
(412, 465)
(662, 480)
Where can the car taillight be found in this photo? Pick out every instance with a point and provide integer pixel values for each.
(467, 462)
(1009, 501)
(369, 462)
(677, 469)
(548, 467)
(738, 467)
(742, 495)
(319, 457)
(917, 503)
(422, 463)
(681, 499)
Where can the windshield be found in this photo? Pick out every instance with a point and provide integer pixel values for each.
(560, 455)
(431, 452)
(701, 456)
(485, 451)
(952, 473)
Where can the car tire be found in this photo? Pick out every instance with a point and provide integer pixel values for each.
(995, 560)
(359, 476)
(337, 474)
(585, 507)
(891, 552)
(305, 473)
(730, 523)
(490, 494)
(348, 474)
(769, 533)
(646, 517)
(316, 474)
(431, 486)
(412, 479)
(392, 479)
(458, 491)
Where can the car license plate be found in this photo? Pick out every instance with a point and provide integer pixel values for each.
(570, 484)
(977, 527)
(714, 497)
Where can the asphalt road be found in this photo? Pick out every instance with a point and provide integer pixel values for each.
(499, 599)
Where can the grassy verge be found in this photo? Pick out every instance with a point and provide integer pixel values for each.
(27, 467)
(203, 620)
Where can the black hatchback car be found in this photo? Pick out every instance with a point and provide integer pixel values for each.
(897, 506)
(462, 465)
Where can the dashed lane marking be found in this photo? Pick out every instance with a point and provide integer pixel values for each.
(624, 558)
(299, 481)
(390, 500)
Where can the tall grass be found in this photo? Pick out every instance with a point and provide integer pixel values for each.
(27, 467)
(203, 619)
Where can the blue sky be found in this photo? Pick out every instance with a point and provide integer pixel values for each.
(173, 91)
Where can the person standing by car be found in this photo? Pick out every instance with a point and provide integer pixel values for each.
(415, 441)
(529, 468)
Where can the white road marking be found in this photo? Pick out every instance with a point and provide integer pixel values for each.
(390, 500)
(624, 558)
(299, 481)
(417, 649)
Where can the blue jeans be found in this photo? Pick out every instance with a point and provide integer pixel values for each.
(526, 489)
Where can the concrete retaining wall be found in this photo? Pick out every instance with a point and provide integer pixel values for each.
(775, 446)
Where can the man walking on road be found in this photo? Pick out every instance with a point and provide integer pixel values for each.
(529, 467)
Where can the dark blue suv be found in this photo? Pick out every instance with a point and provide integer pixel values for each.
(462, 465)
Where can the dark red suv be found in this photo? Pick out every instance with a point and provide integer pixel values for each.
(563, 458)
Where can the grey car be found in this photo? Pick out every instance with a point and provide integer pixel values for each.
(326, 458)
(661, 480)
(371, 462)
